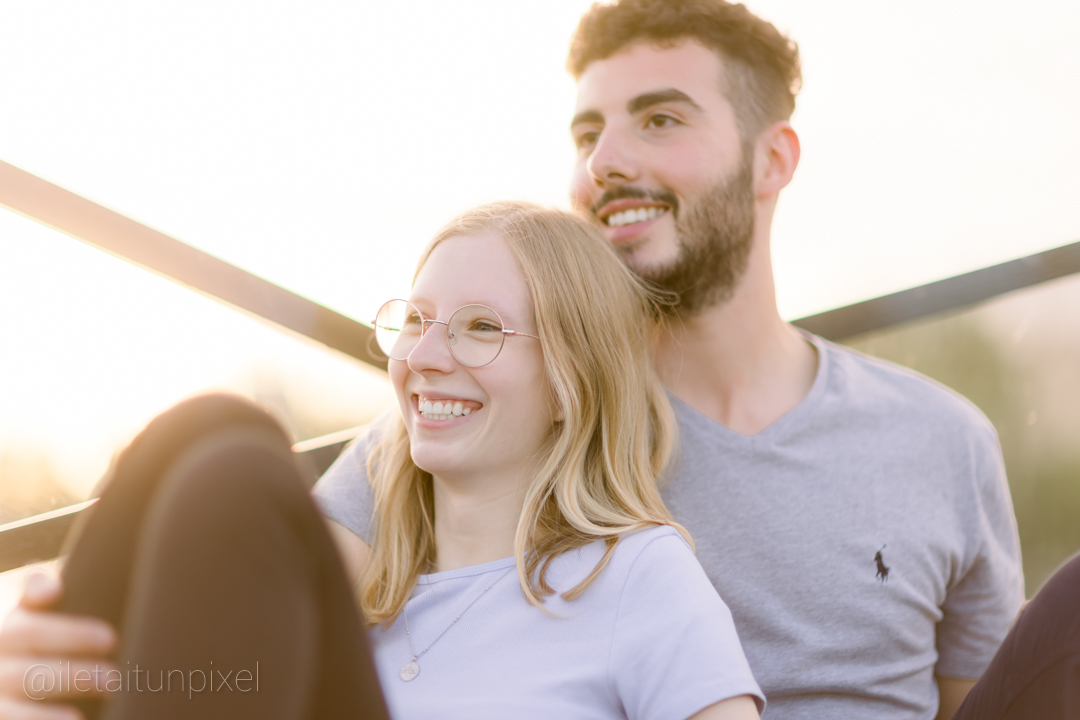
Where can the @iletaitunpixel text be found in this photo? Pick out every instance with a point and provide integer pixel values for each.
(40, 681)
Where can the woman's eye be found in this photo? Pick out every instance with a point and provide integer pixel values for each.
(413, 319)
(485, 326)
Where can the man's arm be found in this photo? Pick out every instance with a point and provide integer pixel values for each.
(354, 551)
(982, 602)
(736, 708)
(951, 694)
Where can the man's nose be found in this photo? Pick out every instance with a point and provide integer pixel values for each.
(432, 353)
(612, 161)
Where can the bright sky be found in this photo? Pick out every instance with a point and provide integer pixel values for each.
(321, 144)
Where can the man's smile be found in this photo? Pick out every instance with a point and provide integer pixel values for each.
(628, 211)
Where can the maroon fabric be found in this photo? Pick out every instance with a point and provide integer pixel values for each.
(1036, 672)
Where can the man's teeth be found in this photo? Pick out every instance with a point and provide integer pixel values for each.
(636, 215)
(442, 410)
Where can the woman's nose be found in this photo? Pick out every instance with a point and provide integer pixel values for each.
(432, 353)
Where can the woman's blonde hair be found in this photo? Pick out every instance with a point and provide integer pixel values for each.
(599, 476)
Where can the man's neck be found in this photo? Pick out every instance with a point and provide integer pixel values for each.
(737, 362)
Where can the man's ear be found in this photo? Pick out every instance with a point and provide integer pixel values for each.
(776, 155)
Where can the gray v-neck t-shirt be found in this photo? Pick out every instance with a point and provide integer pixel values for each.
(863, 542)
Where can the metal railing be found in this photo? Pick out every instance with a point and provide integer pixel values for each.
(40, 537)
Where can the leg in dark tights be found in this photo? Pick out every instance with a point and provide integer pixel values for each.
(207, 553)
(1036, 672)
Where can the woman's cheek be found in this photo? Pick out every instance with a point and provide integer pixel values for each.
(399, 373)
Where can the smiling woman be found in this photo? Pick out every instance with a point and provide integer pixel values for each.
(530, 434)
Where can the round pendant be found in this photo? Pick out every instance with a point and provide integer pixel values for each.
(409, 671)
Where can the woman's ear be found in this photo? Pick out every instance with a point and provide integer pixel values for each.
(557, 414)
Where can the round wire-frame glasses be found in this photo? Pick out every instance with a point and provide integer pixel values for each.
(474, 333)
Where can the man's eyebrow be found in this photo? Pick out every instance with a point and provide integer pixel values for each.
(647, 100)
(587, 116)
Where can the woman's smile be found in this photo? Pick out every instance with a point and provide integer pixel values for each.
(442, 409)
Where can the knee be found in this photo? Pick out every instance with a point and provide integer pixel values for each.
(1054, 612)
(232, 472)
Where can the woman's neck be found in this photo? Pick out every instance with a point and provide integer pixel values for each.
(476, 520)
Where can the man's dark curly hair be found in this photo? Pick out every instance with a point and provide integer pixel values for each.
(761, 66)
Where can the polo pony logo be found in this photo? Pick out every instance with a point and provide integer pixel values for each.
(882, 570)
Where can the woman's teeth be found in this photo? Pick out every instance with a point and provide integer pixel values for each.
(628, 217)
(442, 410)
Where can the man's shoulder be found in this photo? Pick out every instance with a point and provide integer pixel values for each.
(343, 492)
(863, 384)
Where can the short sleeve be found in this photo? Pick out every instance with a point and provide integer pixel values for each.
(675, 650)
(343, 493)
(984, 598)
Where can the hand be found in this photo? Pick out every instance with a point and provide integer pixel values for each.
(40, 651)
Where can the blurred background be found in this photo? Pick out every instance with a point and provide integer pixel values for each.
(320, 145)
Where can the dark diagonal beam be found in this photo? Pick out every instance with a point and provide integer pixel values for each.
(944, 295)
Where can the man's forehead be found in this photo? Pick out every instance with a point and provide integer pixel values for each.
(644, 68)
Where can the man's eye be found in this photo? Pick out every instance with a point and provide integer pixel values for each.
(659, 122)
(587, 139)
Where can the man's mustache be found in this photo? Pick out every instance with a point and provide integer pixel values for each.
(623, 192)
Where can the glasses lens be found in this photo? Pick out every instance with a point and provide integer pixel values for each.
(398, 328)
(475, 334)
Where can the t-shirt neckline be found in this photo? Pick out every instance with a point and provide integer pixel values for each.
(778, 426)
(466, 571)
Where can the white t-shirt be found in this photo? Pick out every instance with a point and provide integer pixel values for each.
(648, 639)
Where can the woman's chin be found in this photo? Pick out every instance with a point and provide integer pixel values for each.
(437, 461)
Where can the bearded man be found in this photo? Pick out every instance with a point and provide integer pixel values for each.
(853, 515)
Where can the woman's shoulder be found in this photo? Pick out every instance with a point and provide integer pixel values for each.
(637, 540)
(658, 544)
(638, 554)
(657, 556)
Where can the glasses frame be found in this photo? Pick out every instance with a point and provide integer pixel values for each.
(426, 323)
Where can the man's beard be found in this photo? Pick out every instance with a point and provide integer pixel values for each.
(714, 233)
